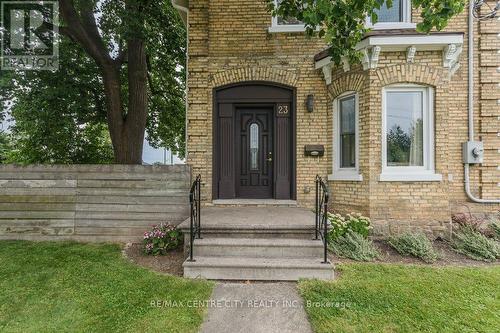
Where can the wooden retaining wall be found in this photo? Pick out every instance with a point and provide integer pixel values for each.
(90, 202)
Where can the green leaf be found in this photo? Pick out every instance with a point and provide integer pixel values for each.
(342, 22)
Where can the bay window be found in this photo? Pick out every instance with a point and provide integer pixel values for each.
(408, 134)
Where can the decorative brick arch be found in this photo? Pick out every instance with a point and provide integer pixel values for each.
(268, 74)
(346, 82)
(412, 73)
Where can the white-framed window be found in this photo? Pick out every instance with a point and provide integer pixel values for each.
(408, 133)
(285, 24)
(396, 17)
(346, 138)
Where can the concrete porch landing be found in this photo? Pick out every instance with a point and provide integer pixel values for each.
(254, 202)
(256, 243)
(256, 216)
(288, 222)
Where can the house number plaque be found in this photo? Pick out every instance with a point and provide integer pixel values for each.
(283, 109)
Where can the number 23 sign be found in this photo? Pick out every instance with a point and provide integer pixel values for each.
(283, 109)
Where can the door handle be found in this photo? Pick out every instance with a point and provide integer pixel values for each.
(270, 156)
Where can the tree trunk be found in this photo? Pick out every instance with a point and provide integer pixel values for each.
(127, 127)
(126, 122)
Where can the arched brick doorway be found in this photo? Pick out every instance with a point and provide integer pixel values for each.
(254, 135)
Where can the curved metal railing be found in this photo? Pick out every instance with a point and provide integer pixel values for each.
(195, 219)
(322, 197)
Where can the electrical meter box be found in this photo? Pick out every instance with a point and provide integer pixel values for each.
(473, 152)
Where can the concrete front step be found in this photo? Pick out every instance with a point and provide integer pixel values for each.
(264, 269)
(273, 232)
(258, 248)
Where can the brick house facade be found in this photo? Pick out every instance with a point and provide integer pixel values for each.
(237, 44)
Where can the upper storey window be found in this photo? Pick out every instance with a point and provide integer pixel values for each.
(396, 17)
(285, 24)
(393, 14)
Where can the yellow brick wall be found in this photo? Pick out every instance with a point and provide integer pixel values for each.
(489, 105)
(229, 42)
(232, 44)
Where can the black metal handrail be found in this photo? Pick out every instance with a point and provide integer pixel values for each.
(322, 197)
(195, 220)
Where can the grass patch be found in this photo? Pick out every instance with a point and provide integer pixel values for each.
(414, 244)
(354, 246)
(72, 287)
(475, 245)
(396, 298)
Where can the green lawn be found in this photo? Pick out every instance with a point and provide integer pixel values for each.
(70, 287)
(392, 298)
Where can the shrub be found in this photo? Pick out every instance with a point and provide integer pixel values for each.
(354, 222)
(414, 244)
(495, 228)
(475, 245)
(354, 246)
(468, 220)
(161, 239)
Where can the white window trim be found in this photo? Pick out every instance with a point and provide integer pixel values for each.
(411, 174)
(405, 24)
(345, 174)
(276, 28)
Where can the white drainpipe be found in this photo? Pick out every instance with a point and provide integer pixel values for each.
(471, 107)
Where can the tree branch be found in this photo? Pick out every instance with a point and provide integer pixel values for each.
(122, 53)
(85, 31)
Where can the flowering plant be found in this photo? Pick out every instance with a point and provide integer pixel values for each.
(350, 222)
(161, 238)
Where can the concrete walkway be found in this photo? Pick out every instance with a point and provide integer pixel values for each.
(256, 307)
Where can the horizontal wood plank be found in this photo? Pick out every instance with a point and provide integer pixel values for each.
(93, 203)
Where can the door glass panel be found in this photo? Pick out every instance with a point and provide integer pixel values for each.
(254, 146)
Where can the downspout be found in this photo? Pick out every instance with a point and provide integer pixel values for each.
(471, 107)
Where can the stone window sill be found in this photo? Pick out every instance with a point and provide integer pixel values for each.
(286, 28)
(410, 177)
(392, 25)
(346, 176)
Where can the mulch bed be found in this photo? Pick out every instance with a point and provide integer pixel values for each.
(171, 263)
(448, 257)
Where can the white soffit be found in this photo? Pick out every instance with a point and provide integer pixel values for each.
(435, 42)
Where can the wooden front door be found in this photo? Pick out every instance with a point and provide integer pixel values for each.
(254, 153)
